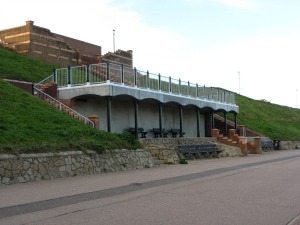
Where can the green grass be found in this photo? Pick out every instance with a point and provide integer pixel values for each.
(19, 67)
(274, 121)
(29, 125)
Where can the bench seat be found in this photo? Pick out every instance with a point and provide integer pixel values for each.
(267, 145)
(199, 151)
(174, 132)
(156, 132)
(140, 131)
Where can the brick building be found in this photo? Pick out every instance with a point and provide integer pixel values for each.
(119, 57)
(40, 43)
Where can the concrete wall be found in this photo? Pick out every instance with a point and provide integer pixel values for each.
(122, 114)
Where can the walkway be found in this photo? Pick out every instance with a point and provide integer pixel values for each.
(218, 191)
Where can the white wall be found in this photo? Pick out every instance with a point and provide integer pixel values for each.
(122, 115)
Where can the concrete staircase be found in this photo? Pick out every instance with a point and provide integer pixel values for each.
(242, 142)
(48, 93)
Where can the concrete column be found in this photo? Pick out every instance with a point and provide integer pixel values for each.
(242, 131)
(212, 120)
(108, 101)
(257, 143)
(235, 121)
(95, 119)
(225, 124)
(160, 119)
(180, 120)
(243, 145)
(231, 133)
(136, 114)
(198, 122)
(215, 133)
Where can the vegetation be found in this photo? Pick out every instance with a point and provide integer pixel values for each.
(274, 121)
(19, 67)
(28, 125)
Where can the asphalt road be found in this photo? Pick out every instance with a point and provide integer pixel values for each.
(257, 189)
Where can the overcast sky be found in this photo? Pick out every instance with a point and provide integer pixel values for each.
(251, 47)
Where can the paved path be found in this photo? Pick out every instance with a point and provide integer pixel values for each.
(258, 189)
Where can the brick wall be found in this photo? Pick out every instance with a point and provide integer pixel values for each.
(40, 43)
(26, 86)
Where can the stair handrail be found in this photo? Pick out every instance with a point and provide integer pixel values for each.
(62, 106)
(229, 122)
(44, 81)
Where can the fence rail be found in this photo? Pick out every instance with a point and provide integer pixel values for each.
(57, 104)
(118, 74)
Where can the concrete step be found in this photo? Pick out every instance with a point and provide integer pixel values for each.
(159, 162)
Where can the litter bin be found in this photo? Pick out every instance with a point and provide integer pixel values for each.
(276, 144)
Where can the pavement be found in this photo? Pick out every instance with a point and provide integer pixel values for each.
(35, 201)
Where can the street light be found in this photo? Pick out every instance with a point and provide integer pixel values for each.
(114, 40)
(239, 82)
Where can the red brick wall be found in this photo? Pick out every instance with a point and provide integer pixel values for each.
(40, 43)
(26, 86)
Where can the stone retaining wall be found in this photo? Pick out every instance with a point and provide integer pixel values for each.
(289, 145)
(34, 167)
(165, 148)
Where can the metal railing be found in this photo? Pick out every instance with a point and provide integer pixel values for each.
(57, 104)
(131, 77)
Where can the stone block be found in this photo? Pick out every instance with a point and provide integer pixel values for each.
(1, 172)
(62, 169)
(8, 173)
(26, 165)
(6, 180)
(42, 169)
(21, 180)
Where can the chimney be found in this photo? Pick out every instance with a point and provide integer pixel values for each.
(29, 25)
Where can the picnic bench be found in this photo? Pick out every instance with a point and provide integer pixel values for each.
(199, 151)
(140, 131)
(174, 132)
(267, 145)
(156, 132)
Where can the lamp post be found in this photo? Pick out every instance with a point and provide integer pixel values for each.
(239, 82)
(296, 98)
(114, 40)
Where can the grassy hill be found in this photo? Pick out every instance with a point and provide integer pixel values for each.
(19, 67)
(30, 125)
(272, 120)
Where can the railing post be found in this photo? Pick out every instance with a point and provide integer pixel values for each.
(225, 96)
(148, 80)
(188, 89)
(197, 92)
(107, 72)
(179, 83)
(159, 82)
(88, 73)
(54, 75)
(135, 77)
(32, 88)
(69, 75)
(122, 74)
(170, 84)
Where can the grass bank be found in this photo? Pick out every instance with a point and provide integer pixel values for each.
(29, 125)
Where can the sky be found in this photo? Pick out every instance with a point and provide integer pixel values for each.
(251, 47)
